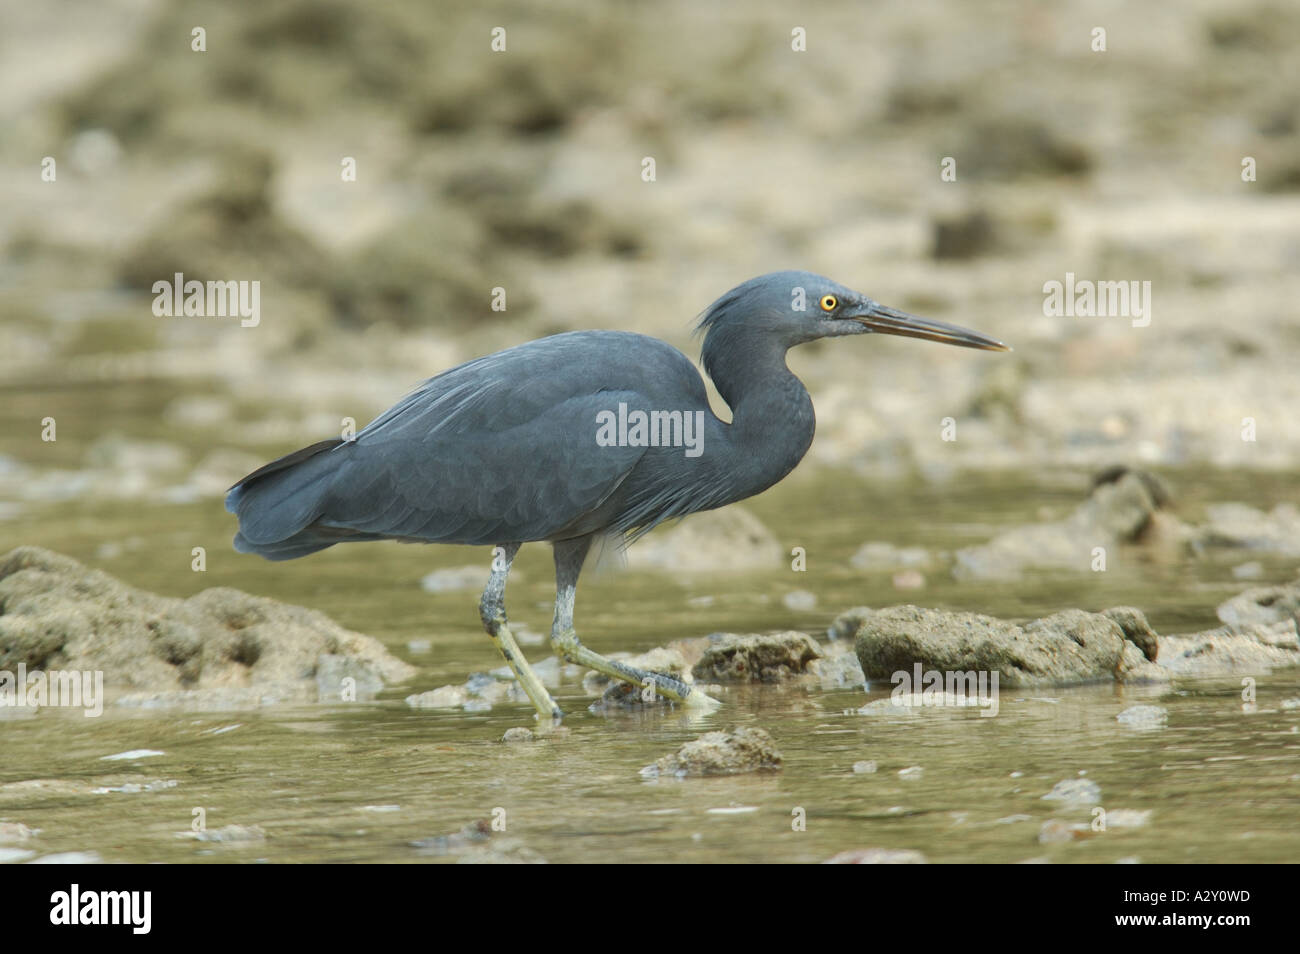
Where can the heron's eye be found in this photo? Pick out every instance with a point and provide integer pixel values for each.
(829, 302)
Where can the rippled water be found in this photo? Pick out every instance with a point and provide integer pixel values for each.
(363, 781)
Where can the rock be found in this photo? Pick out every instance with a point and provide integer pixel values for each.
(731, 540)
(1222, 652)
(1069, 647)
(1236, 525)
(1262, 605)
(59, 614)
(1134, 667)
(1079, 791)
(482, 690)
(837, 670)
(878, 856)
(518, 734)
(867, 767)
(1073, 646)
(1136, 629)
(620, 696)
(347, 679)
(1144, 717)
(1118, 511)
(770, 657)
(444, 697)
(735, 751)
(847, 624)
(912, 773)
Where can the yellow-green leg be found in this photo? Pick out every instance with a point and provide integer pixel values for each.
(569, 557)
(492, 610)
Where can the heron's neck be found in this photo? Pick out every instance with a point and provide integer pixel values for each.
(772, 420)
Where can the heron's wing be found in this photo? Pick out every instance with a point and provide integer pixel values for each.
(460, 461)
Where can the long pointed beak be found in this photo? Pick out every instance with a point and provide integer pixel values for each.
(891, 321)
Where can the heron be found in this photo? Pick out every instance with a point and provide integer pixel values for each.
(573, 439)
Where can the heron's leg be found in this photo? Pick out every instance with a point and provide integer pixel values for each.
(492, 610)
(569, 557)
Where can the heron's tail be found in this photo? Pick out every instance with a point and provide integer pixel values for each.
(277, 504)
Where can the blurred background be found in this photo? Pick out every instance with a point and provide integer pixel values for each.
(522, 170)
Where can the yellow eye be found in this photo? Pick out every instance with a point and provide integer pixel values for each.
(829, 302)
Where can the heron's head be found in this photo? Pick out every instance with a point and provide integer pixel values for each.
(795, 307)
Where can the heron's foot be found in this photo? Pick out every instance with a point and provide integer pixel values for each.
(566, 646)
(498, 631)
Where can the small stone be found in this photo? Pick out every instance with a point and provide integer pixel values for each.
(771, 657)
(518, 734)
(444, 697)
(735, 751)
(864, 768)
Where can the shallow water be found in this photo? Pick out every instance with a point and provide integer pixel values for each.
(1221, 780)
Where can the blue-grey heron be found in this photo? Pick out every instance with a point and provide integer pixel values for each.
(569, 438)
